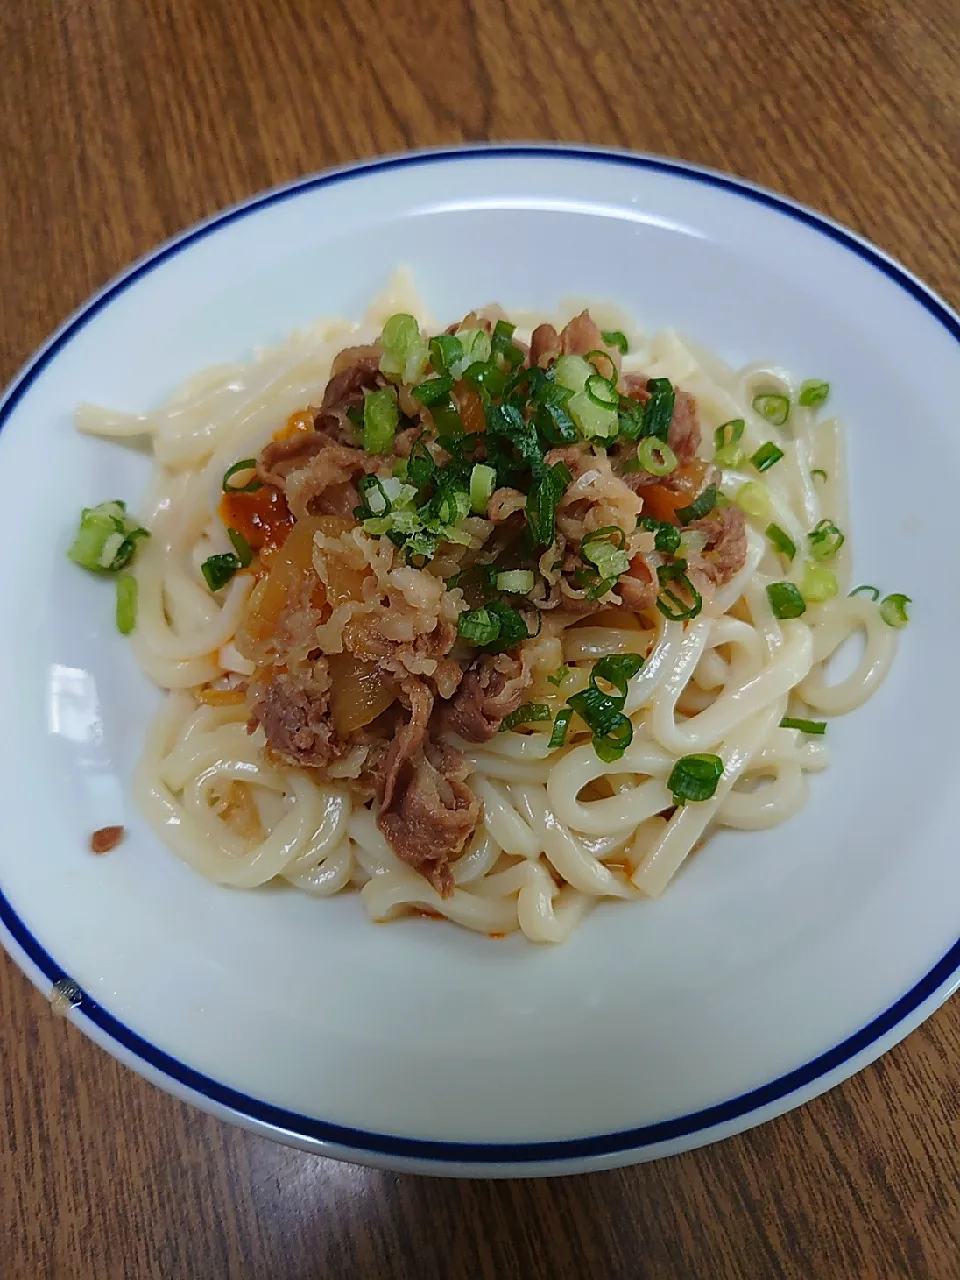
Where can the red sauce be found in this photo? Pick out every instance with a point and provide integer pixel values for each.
(295, 425)
(262, 517)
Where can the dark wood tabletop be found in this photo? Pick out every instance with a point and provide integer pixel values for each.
(122, 122)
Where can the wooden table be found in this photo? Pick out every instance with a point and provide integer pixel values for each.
(123, 121)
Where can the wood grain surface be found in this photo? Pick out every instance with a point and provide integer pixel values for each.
(123, 121)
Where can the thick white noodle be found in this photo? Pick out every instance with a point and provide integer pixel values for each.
(718, 684)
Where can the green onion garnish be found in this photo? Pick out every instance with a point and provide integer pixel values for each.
(616, 669)
(666, 536)
(700, 506)
(515, 582)
(672, 606)
(753, 498)
(495, 627)
(560, 726)
(813, 392)
(818, 583)
(529, 713)
(381, 417)
(658, 411)
(420, 464)
(445, 350)
(601, 391)
(656, 456)
(242, 548)
(805, 726)
(604, 549)
(245, 464)
(218, 570)
(695, 778)
(773, 407)
(893, 610)
(107, 538)
(603, 712)
(543, 500)
(766, 456)
(483, 481)
(433, 389)
(726, 439)
(782, 541)
(825, 540)
(404, 350)
(873, 592)
(559, 676)
(785, 600)
(818, 471)
(615, 338)
(127, 593)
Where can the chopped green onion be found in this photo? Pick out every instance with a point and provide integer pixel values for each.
(726, 438)
(374, 498)
(503, 348)
(616, 669)
(127, 593)
(515, 582)
(630, 420)
(381, 417)
(242, 548)
(433, 389)
(404, 350)
(782, 541)
(559, 676)
(695, 778)
(700, 506)
(560, 726)
(818, 583)
(785, 600)
(107, 538)
(754, 499)
(609, 558)
(476, 349)
(805, 726)
(420, 464)
(893, 610)
(445, 350)
(773, 407)
(615, 338)
(872, 591)
(818, 471)
(825, 540)
(483, 481)
(813, 393)
(245, 464)
(543, 500)
(601, 391)
(766, 456)
(673, 608)
(603, 714)
(529, 713)
(572, 372)
(478, 626)
(658, 411)
(218, 570)
(656, 456)
(666, 536)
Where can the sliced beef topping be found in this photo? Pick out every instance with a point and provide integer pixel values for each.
(544, 345)
(294, 710)
(355, 370)
(317, 475)
(725, 551)
(492, 688)
(427, 812)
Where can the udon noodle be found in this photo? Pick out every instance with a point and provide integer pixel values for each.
(561, 828)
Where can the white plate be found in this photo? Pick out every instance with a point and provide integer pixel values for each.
(776, 965)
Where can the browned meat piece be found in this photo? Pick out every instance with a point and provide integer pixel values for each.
(684, 434)
(355, 370)
(492, 688)
(316, 474)
(725, 552)
(105, 839)
(427, 812)
(638, 588)
(544, 345)
(294, 710)
(581, 335)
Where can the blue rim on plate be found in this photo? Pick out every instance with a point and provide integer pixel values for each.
(934, 983)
